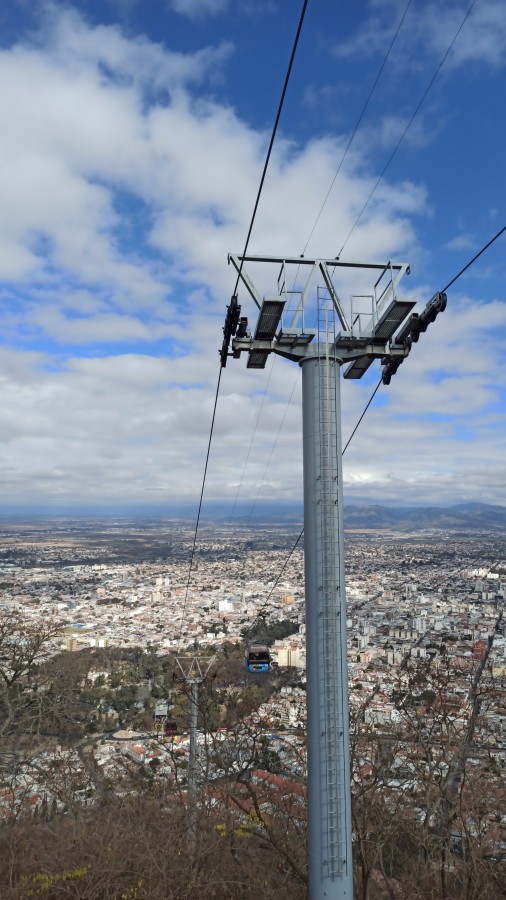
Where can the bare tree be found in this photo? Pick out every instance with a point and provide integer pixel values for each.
(24, 647)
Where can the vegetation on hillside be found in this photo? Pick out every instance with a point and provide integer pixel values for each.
(428, 804)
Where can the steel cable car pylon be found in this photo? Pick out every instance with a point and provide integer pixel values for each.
(329, 792)
(321, 352)
(193, 670)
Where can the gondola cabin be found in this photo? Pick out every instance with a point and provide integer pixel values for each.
(258, 658)
(170, 727)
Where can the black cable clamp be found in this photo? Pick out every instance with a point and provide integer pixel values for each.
(235, 325)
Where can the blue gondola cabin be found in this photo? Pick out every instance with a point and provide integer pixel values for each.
(258, 658)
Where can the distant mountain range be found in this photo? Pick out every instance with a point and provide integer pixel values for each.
(469, 517)
(462, 517)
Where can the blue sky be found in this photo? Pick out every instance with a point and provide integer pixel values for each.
(133, 139)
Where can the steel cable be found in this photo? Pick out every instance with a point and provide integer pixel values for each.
(271, 143)
(404, 133)
(371, 398)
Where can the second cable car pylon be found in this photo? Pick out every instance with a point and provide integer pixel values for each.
(367, 334)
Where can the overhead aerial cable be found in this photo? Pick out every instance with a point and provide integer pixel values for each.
(200, 502)
(273, 135)
(226, 342)
(339, 167)
(398, 362)
(394, 364)
(292, 551)
(371, 398)
(280, 427)
(408, 126)
(418, 323)
(357, 124)
(233, 321)
(471, 261)
(439, 294)
(227, 336)
(287, 560)
(251, 441)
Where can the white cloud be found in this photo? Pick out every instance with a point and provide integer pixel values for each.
(199, 9)
(96, 329)
(392, 129)
(443, 407)
(81, 134)
(196, 8)
(121, 194)
(135, 60)
(135, 427)
(461, 242)
(75, 134)
(428, 31)
(483, 36)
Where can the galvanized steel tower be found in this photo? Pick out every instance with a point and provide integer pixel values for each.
(321, 350)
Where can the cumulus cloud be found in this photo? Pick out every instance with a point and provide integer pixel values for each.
(123, 188)
(195, 8)
(75, 47)
(427, 32)
(199, 9)
(85, 141)
(482, 39)
(443, 406)
(461, 242)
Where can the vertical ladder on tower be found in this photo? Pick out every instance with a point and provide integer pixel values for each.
(331, 624)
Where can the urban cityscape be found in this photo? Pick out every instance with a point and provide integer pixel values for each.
(412, 599)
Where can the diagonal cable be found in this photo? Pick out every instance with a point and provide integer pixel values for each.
(273, 447)
(200, 503)
(255, 208)
(471, 261)
(271, 142)
(357, 124)
(371, 398)
(404, 133)
(251, 441)
(287, 560)
(343, 157)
